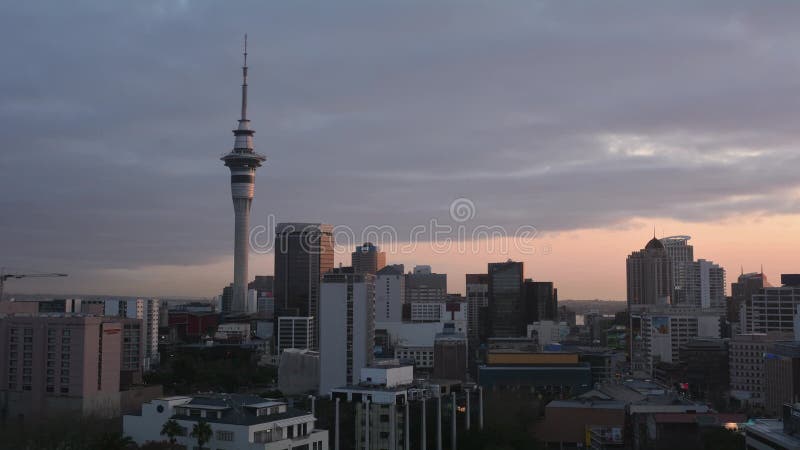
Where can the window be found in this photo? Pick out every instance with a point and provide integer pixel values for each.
(65, 332)
(65, 390)
(224, 435)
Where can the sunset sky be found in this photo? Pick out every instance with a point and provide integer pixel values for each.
(591, 122)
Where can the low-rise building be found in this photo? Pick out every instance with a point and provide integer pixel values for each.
(237, 422)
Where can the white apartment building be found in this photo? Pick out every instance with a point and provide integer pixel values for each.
(146, 310)
(704, 284)
(347, 327)
(238, 422)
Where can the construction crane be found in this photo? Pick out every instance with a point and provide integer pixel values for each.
(17, 275)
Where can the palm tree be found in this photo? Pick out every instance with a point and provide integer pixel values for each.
(113, 441)
(202, 432)
(171, 429)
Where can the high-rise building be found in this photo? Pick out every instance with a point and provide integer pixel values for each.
(649, 275)
(424, 285)
(477, 305)
(680, 254)
(347, 326)
(368, 259)
(742, 292)
(303, 254)
(62, 365)
(226, 299)
(747, 365)
(703, 284)
(540, 301)
(295, 332)
(148, 311)
(390, 294)
(242, 162)
(772, 308)
(506, 309)
(707, 372)
(450, 356)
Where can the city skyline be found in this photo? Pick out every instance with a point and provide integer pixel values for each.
(602, 147)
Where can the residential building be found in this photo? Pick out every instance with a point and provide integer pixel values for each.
(747, 365)
(390, 293)
(303, 254)
(295, 332)
(381, 394)
(704, 284)
(347, 326)
(506, 310)
(148, 311)
(680, 255)
(62, 364)
(368, 259)
(238, 422)
(781, 376)
(649, 275)
(477, 304)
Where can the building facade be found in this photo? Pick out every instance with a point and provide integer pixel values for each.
(782, 376)
(506, 309)
(649, 275)
(390, 294)
(295, 332)
(477, 287)
(422, 285)
(680, 255)
(347, 327)
(771, 309)
(368, 259)
(148, 311)
(747, 365)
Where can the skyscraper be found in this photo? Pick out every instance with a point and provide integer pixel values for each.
(742, 292)
(649, 275)
(680, 254)
(506, 318)
(540, 301)
(368, 259)
(242, 162)
(477, 305)
(303, 253)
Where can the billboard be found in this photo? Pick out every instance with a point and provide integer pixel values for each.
(661, 325)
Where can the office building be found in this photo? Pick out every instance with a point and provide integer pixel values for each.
(390, 294)
(450, 356)
(368, 259)
(772, 308)
(238, 422)
(506, 311)
(772, 434)
(303, 254)
(148, 311)
(422, 285)
(659, 332)
(649, 275)
(680, 255)
(540, 301)
(242, 162)
(781, 376)
(703, 284)
(477, 304)
(295, 332)
(747, 365)
(51, 365)
(742, 292)
(347, 327)
(226, 300)
(707, 371)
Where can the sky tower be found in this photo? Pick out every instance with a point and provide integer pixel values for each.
(243, 162)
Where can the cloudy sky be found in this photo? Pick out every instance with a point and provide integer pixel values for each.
(591, 121)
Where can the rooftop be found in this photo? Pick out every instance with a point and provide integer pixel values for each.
(239, 409)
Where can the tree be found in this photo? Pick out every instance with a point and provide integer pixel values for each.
(171, 429)
(113, 441)
(202, 432)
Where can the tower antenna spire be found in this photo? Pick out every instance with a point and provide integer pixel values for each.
(244, 81)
